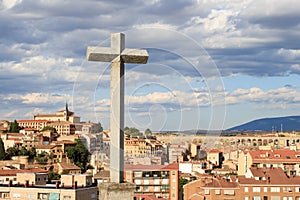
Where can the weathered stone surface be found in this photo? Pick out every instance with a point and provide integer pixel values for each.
(116, 191)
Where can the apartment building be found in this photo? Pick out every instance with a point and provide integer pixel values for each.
(257, 184)
(93, 142)
(33, 186)
(35, 124)
(136, 147)
(288, 160)
(215, 157)
(161, 180)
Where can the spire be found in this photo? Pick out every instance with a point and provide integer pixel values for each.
(67, 109)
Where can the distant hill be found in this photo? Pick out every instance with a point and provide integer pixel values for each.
(268, 124)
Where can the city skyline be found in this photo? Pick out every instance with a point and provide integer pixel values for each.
(212, 65)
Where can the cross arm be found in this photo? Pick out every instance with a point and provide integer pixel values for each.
(102, 54)
(137, 56)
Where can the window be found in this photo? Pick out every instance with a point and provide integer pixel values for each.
(66, 197)
(228, 192)
(256, 189)
(165, 181)
(206, 191)
(138, 189)
(275, 189)
(165, 188)
(256, 198)
(218, 192)
(137, 174)
(146, 182)
(287, 189)
(246, 189)
(265, 189)
(156, 181)
(146, 189)
(156, 188)
(16, 195)
(246, 198)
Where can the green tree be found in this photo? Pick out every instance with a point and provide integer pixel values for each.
(12, 151)
(46, 128)
(42, 158)
(148, 132)
(23, 151)
(182, 182)
(31, 153)
(53, 176)
(2, 150)
(79, 154)
(132, 131)
(14, 127)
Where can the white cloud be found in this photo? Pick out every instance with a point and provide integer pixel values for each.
(275, 97)
(37, 98)
(11, 114)
(35, 111)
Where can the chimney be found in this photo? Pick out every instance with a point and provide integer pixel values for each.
(10, 183)
(26, 183)
(57, 185)
(75, 185)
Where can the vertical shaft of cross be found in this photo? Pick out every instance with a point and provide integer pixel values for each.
(117, 122)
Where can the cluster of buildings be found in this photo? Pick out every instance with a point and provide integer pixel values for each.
(146, 161)
(166, 166)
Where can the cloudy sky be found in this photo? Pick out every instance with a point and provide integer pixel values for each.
(212, 64)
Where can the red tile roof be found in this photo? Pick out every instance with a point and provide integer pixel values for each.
(139, 167)
(275, 176)
(221, 183)
(31, 120)
(275, 156)
(13, 172)
(148, 197)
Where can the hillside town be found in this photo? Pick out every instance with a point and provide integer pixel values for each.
(59, 157)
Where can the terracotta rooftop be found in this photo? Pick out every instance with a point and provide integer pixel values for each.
(214, 151)
(32, 120)
(48, 146)
(221, 183)
(275, 176)
(68, 166)
(272, 156)
(13, 172)
(148, 197)
(139, 167)
(102, 174)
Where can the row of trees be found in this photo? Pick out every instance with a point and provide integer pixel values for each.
(134, 132)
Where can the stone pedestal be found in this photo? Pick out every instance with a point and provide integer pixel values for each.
(116, 191)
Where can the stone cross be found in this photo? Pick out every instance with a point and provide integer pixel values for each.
(117, 54)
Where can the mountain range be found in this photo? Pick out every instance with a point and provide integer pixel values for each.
(276, 124)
